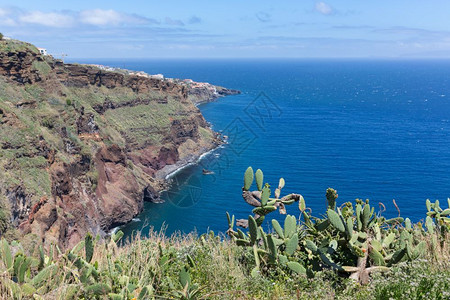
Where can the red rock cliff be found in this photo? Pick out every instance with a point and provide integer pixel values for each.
(80, 146)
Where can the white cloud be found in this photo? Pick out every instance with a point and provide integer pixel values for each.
(8, 22)
(5, 18)
(70, 19)
(48, 19)
(324, 8)
(3, 12)
(101, 17)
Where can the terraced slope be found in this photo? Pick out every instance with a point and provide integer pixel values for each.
(80, 147)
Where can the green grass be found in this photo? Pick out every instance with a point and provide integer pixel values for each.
(219, 272)
(139, 125)
(47, 113)
(219, 269)
(29, 172)
(34, 91)
(144, 124)
(421, 279)
(16, 46)
(206, 134)
(34, 176)
(42, 67)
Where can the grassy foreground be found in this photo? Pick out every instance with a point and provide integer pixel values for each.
(217, 272)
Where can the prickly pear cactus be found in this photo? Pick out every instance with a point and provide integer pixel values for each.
(268, 250)
(349, 238)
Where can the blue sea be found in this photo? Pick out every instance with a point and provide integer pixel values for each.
(377, 130)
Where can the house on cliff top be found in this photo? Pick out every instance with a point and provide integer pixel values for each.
(43, 51)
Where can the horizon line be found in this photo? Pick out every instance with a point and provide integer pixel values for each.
(263, 58)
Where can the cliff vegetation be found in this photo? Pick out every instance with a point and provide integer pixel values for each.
(82, 147)
(308, 257)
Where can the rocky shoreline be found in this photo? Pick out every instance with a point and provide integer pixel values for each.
(170, 170)
(82, 147)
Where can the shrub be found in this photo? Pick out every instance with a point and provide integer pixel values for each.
(4, 221)
(1, 36)
(48, 122)
(350, 239)
(187, 266)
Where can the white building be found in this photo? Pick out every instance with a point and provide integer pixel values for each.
(157, 76)
(43, 51)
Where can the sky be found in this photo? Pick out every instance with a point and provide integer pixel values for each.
(232, 28)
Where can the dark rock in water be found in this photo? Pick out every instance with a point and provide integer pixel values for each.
(207, 172)
(205, 92)
(151, 195)
(227, 92)
(88, 154)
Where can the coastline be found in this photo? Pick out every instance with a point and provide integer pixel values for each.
(171, 170)
(102, 140)
(167, 175)
(191, 162)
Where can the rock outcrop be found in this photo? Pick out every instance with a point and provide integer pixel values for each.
(18, 64)
(81, 147)
(201, 92)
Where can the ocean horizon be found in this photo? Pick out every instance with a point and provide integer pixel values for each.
(371, 129)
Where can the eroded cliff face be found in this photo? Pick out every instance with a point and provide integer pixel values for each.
(80, 147)
(17, 62)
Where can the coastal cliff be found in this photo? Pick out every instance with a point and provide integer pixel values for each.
(82, 148)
